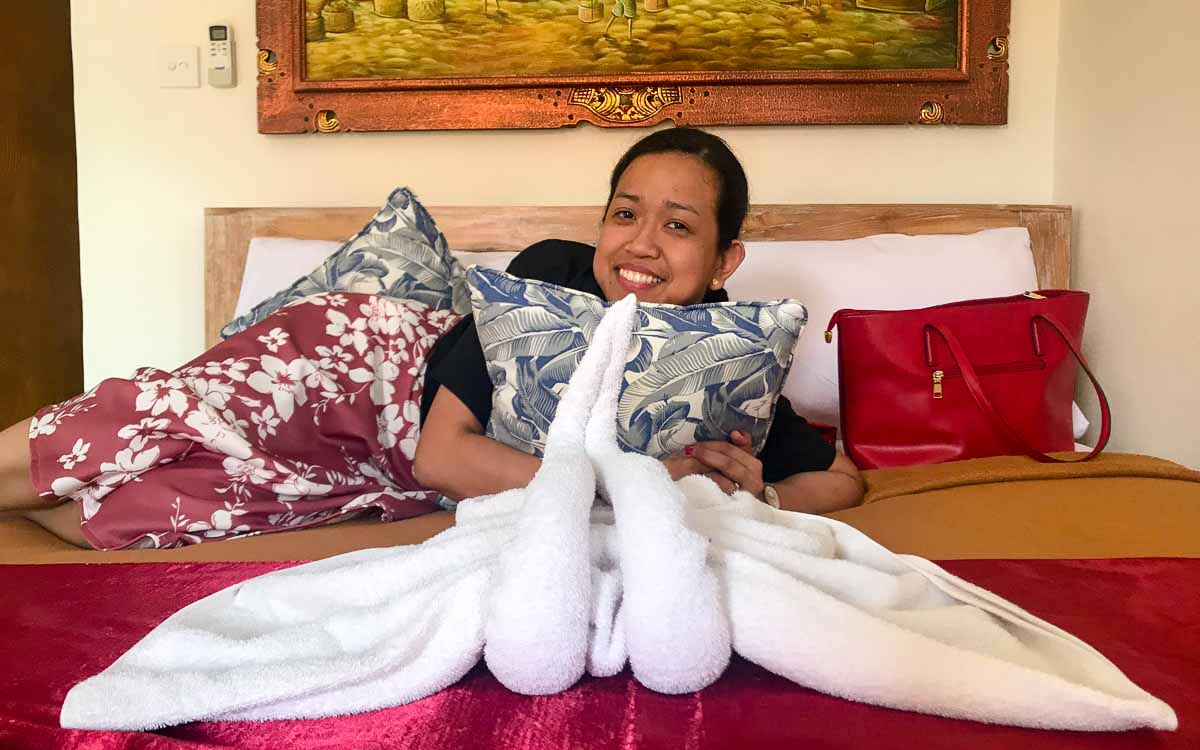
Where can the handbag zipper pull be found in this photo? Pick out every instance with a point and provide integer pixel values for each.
(1034, 295)
(937, 383)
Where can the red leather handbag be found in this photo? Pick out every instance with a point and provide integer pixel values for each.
(987, 377)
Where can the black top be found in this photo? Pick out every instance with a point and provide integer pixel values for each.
(457, 362)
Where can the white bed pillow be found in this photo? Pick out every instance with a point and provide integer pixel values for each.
(274, 263)
(883, 272)
(494, 261)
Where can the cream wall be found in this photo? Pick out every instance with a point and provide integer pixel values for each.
(1127, 156)
(151, 159)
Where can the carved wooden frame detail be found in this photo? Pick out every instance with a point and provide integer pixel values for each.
(974, 93)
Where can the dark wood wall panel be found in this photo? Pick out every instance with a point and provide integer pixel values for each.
(41, 321)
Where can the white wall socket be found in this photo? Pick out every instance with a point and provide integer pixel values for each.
(179, 67)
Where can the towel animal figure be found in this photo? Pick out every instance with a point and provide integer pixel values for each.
(600, 562)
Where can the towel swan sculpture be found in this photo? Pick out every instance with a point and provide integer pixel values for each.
(546, 583)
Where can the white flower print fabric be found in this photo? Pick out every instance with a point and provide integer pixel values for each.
(308, 416)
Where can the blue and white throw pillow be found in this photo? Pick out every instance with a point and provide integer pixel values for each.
(399, 253)
(692, 373)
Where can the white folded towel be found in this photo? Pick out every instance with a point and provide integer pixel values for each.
(547, 582)
(540, 605)
(676, 631)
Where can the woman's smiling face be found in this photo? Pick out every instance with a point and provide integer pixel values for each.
(659, 236)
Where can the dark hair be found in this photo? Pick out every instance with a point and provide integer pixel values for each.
(732, 191)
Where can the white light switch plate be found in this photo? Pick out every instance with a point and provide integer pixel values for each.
(179, 67)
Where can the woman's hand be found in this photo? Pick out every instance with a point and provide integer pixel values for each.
(681, 465)
(733, 466)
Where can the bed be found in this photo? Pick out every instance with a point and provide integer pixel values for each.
(1116, 538)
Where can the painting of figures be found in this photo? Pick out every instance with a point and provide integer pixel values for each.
(431, 39)
(330, 66)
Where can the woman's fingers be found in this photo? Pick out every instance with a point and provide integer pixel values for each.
(725, 483)
(724, 457)
(742, 440)
(737, 465)
(731, 465)
(680, 466)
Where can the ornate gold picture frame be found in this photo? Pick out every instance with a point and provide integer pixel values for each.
(337, 65)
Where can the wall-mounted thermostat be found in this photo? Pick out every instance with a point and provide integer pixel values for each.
(221, 71)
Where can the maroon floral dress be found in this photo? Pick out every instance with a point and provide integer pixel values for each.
(306, 418)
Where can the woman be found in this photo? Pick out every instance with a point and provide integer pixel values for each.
(676, 203)
(299, 420)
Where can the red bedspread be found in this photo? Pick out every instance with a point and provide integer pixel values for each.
(62, 623)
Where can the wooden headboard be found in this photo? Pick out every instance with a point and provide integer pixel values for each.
(228, 232)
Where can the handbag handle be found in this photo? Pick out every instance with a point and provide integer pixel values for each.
(975, 386)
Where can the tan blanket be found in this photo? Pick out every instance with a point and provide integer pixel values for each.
(1119, 505)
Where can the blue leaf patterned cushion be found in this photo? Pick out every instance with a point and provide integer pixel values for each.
(692, 373)
(399, 253)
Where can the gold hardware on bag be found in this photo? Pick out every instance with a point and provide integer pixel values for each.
(1034, 295)
(937, 383)
(829, 337)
